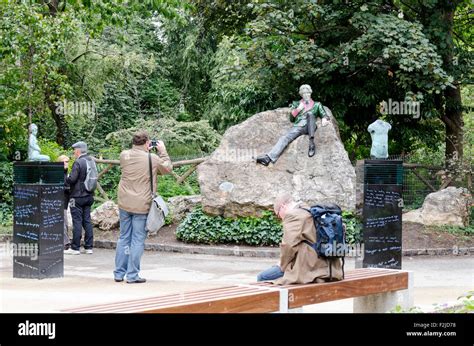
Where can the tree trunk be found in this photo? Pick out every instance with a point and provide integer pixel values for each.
(453, 120)
(452, 116)
(52, 6)
(62, 129)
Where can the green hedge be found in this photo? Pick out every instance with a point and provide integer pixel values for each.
(354, 234)
(201, 228)
(6, 190)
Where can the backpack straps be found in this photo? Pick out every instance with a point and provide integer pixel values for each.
(312, 245)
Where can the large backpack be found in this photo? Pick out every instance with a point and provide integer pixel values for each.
(90, 183)
(330, 233)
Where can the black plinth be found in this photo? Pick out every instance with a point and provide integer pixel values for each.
(38, 220)
(383, 204)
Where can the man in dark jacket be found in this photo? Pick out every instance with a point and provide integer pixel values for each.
(80, 202)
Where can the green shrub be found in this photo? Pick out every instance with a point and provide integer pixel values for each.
(109, 182)
(52, 149)
(199, 227)
(181, 138)
(6, 214)
(353, 228)
(6, 190)
(169, 187)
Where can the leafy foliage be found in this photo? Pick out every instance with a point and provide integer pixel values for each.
(181, 69)
(354, 55)
(199, 227)
(34, 63)
(354, 234)
(52, 149)
(168, 186)
(6, 190)
(196, 136)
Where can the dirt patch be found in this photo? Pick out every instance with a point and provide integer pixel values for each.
(415, 236)
(418, 236)
(166, 235)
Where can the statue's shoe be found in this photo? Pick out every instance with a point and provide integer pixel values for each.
(311, 150)
(264, 160)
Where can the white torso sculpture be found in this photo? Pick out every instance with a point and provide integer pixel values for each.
(34, 151)
(379, 132)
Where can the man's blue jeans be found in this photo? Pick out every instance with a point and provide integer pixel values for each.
(130, 245)
(270, 274)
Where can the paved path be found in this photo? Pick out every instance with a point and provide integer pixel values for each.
(88, 280)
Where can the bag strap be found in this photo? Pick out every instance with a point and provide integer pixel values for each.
(151, 176)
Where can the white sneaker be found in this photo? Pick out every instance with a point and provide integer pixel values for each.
(89, 251)
(72, 252)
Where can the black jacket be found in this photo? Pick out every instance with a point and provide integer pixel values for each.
(67, 190)
(78, 176)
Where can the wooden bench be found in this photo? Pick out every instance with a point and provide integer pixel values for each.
(375, 290)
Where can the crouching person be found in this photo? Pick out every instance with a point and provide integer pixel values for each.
(299, 262)
(134, 200)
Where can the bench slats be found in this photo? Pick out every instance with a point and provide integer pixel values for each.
(255, 303)
(260, 297)
(302, 295)
(184, 302)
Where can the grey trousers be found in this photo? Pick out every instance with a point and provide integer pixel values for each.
(291, 135)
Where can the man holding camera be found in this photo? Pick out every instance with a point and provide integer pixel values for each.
(134, 200)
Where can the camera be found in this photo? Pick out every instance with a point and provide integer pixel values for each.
(154, 143)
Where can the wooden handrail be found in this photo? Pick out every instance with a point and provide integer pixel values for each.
(179, 179)
(175, 164)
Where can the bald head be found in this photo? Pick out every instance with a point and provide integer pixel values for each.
(281, 202)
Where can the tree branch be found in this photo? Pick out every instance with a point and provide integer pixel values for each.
(410, 7)
(87, 52)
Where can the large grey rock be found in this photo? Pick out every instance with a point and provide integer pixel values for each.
(106, 216)
(233, 184)
(450, 206)
(181, 205)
